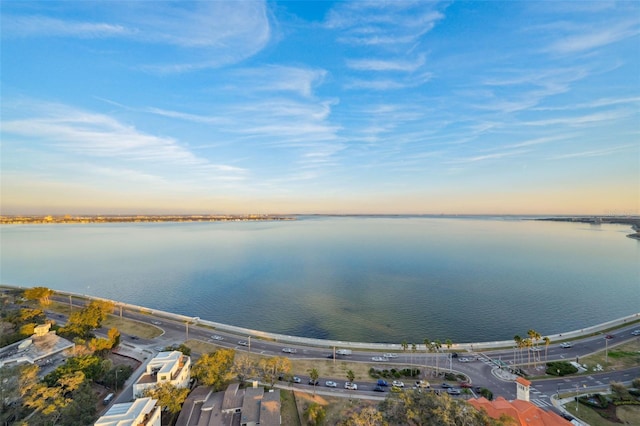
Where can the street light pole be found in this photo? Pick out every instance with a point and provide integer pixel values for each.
(606, 350)
(577, 402)
(249, 343)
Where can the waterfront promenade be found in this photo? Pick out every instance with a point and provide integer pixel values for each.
(323, 343)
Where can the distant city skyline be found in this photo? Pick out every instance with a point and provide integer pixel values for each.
(239, 107)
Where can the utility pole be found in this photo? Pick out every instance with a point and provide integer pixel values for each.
(70, 304)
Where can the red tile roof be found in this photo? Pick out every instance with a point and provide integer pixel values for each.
(525, 412)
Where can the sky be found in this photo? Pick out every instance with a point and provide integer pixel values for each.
(390, 107)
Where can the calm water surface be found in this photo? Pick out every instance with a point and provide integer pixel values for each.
(365, 279)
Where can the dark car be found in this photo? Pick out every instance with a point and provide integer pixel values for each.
(378, 388)
(609, 336)
(567, 416)
(454, 355)
(382, 382)
(465, 385)
(446, 386)
(314, 383)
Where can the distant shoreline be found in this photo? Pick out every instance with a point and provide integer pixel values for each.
(67, 219)
(596, 220)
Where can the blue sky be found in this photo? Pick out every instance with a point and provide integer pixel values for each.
(508, 107)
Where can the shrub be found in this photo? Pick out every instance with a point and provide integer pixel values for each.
(486, 393)
(562, 367)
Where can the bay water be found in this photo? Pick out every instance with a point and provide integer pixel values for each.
(374, 279)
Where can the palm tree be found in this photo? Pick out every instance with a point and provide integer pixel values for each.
(426, 350)
(404, 346)
(449, 343)
(547, 341)
(518, 341)
(313, 375)
(413, 351)
(435, 347)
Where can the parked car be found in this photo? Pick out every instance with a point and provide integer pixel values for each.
(378, 388)
(566, 345)
(397, 383)
(453, 391)
(314, 383)
(382, 382)
(463, 359)
(465, 385)
(330, 384)
(296, 379)
(350, 386)
(216, 337)
(446, 386)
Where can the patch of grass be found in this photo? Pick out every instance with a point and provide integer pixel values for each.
(200, 347)
(288, 409)
(125, 326)
(628, 414)
(626, 355)
(132, 328)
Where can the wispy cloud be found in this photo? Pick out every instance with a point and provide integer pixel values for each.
(279, 78)
(30, 26)
(596, 152)
(382, 23)
(200, 35)
(582, 120)
(593, 37)
(100, 136)
(386, 64)
(485, 157)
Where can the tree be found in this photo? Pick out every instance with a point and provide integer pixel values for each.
(413, 351)
(518, 344)
(313, 375)
(351, 376)
(213, 369)
(274, 367)
(437, 346)
(427, 344)
(243, 366)
(41, 294)
(368, 416)
(315, 414)
(547, 342)
(620, 391)
(168, 396)
(9, 393)
(186, 350)
(404, 345)
(426, 408)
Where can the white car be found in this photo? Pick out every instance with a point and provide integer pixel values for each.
(390, 355)
(156, 322)
(331, 384)
(397, 383)
(463, 359)
(216, 337)
(350, 386)
(289, 350)
(243, 343)
(296, 379)
(379, 358)
(636, 332)
(535, 349)
(566, 345)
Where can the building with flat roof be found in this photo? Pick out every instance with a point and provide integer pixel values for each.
(173, 367)
(139, 412)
